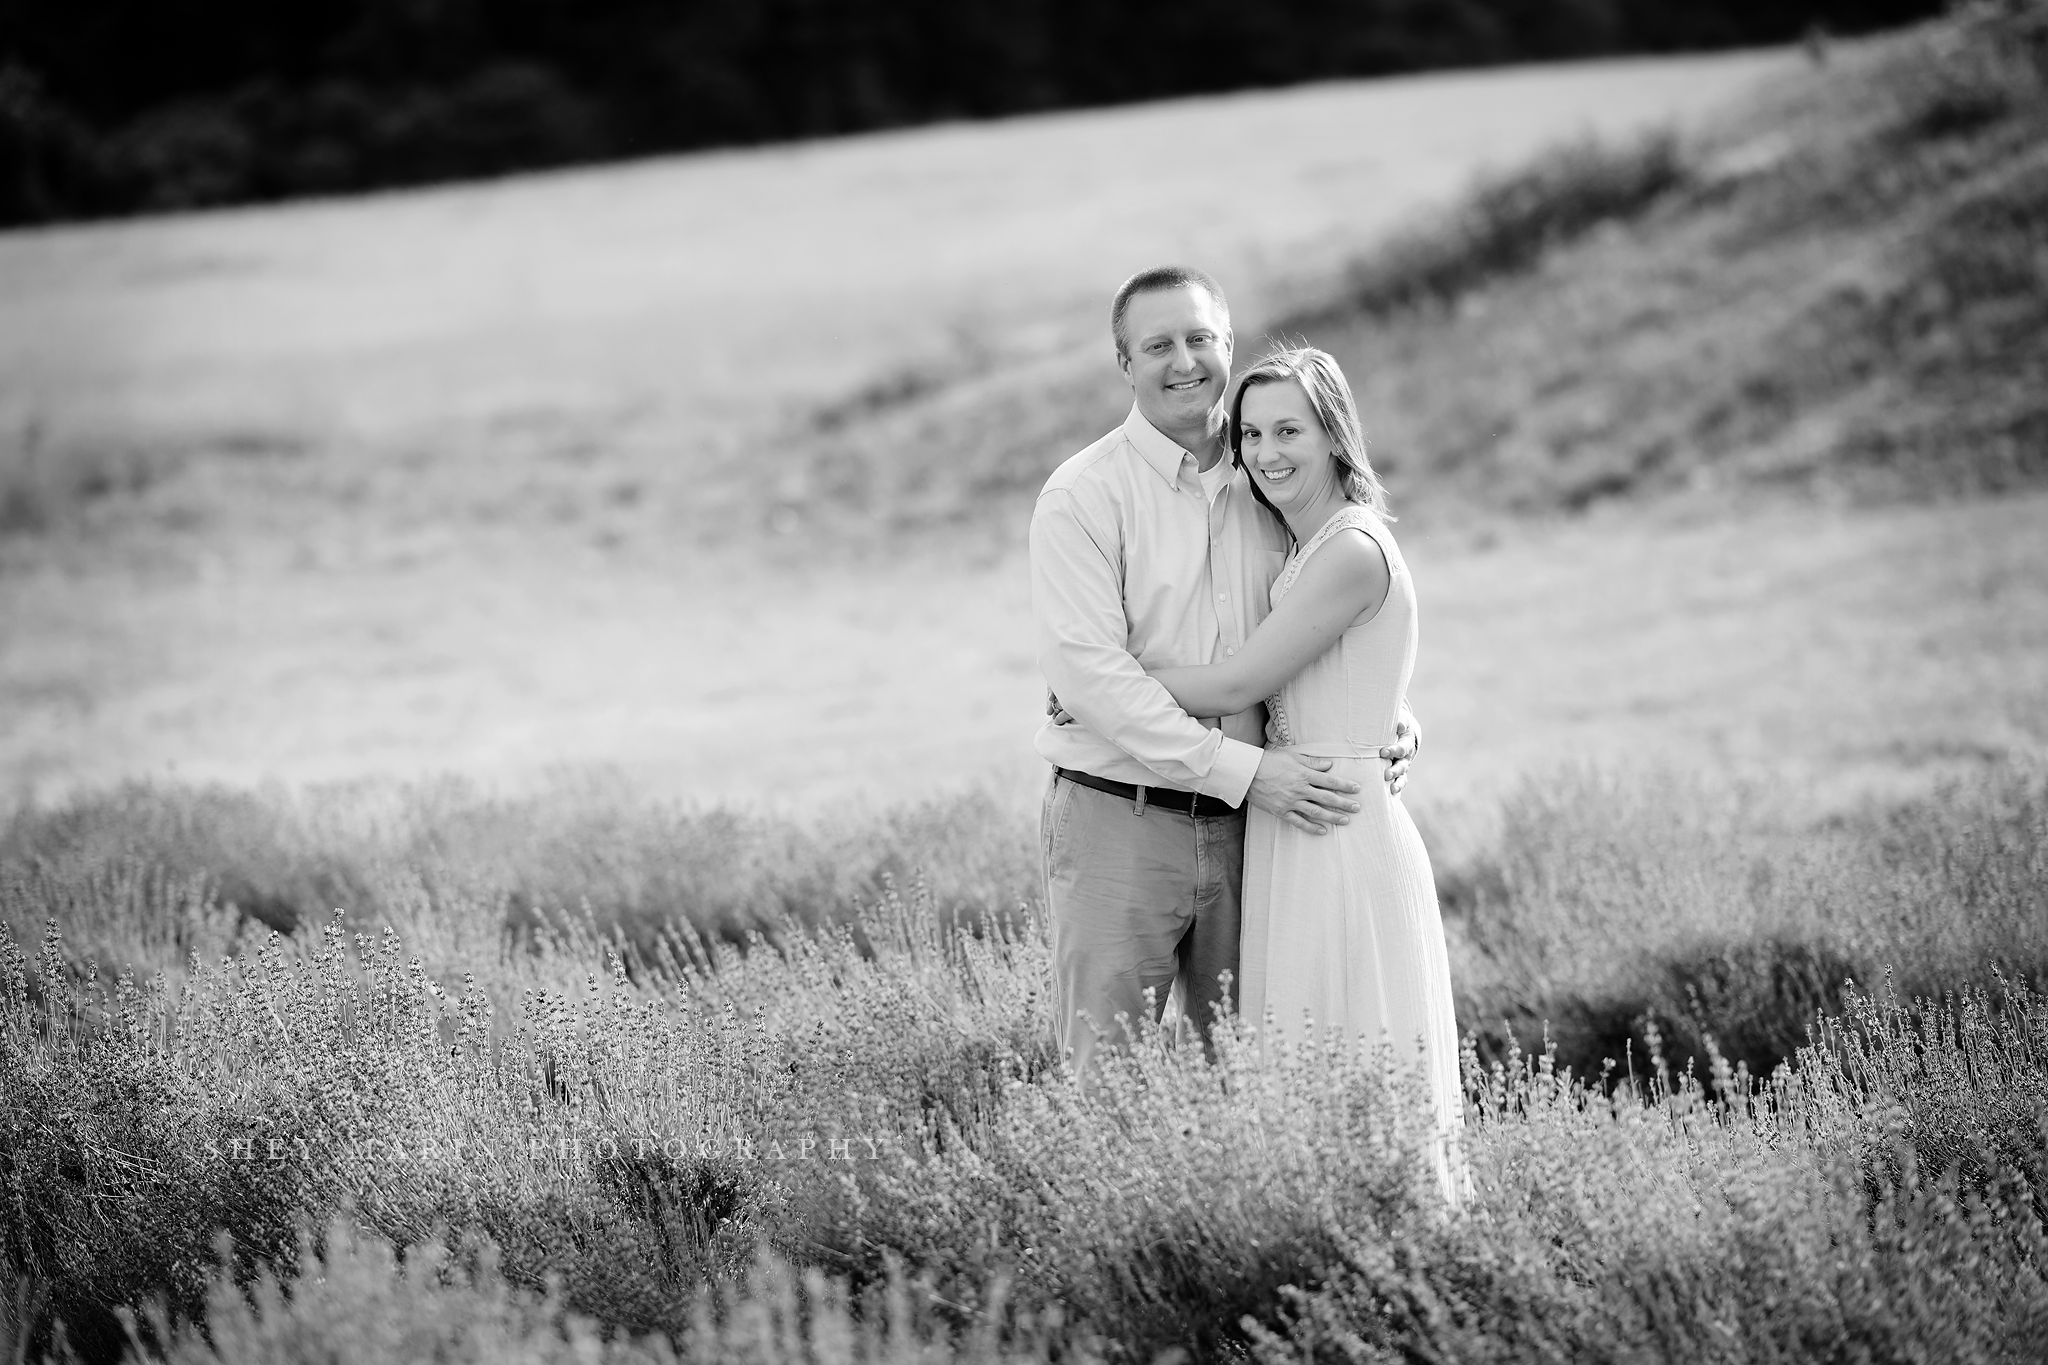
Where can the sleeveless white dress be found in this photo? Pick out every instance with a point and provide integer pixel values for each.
(1342, 929)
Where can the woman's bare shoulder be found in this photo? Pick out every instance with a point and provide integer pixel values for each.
(1350, 564)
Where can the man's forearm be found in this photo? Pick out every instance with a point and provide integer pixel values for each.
(1135, 714)
(1078, 607)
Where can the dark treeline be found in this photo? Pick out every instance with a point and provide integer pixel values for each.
(115, 106)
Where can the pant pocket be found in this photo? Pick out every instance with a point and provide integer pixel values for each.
(1058, 827)
(1052, 791)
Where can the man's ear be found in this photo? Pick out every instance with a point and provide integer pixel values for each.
(1123, 363)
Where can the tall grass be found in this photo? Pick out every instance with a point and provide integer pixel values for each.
(455, 1305)
(144, 873)
(569, 1124)
(1603, 903)
(1608, 907)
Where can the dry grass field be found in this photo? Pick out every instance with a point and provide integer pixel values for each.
(477, 479)
(509, 479)
(674, 290)
(1851, 650)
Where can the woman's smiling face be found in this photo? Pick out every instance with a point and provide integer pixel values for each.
(1284, 444)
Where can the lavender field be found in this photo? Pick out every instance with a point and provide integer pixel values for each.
(515, 708)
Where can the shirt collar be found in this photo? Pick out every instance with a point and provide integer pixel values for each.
(1155, 448)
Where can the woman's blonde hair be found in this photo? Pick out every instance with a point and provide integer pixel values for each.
(1320, 378)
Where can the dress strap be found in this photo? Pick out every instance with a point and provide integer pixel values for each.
(1352, 517)
(1343, 518)
(1368, 521)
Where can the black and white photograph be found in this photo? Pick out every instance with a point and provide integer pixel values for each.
(832, 682)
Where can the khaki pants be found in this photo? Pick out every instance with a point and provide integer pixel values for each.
(1136, 901)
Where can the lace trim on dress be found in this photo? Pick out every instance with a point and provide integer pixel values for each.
(1278, 732)
(1344, 519)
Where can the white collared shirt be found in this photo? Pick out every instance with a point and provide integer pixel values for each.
(1132, 565)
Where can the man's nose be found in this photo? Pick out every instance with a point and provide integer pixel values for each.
(1183, 356)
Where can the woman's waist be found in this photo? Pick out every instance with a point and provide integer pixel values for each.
(1335, 748)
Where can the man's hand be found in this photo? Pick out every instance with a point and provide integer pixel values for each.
(1302, 791)
(1407, 743)
(1055, 710)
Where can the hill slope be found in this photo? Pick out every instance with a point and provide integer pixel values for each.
(575, 355)
(1850, 292)
(497, 598)
(1846, 288)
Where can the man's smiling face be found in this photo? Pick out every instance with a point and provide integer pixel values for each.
(1179, 355)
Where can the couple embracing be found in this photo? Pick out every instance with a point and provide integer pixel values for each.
(1228, 629)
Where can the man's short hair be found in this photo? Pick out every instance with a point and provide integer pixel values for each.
(1154, 280)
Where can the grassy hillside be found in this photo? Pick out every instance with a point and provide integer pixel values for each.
(585, 354)
(479, 479)
(1844, 289)
(1849, 293)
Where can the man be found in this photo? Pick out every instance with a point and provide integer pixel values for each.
(1149, 547)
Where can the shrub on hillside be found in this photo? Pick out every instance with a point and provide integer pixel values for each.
(1965, 1082)
(1794, 1270)
(176, 855)
(1840, 283)
(1794, 1220)
(414, 1106)
(1178, 1201)
(101, 1163)
(1281, 1207)
(1990, 63)
(356, 1297)
(1609, 907)
(1173, 1201)
(1840, 288)
(1506, 222)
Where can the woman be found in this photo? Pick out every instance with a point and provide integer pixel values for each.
(1339, 926)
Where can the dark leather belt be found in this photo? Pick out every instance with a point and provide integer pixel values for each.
(1165, 798)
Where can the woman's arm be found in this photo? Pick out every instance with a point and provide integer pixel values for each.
(1346, 578)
